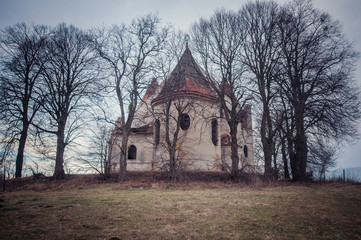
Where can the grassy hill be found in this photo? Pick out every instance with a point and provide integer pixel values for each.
(149, 208)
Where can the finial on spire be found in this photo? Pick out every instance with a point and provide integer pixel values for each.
(186, 38)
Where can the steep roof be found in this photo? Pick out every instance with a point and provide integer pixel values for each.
(151, 90)
(186, 79)
(145, 129)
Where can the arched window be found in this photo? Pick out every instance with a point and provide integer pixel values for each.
(245, 150)
(215, 132)
(185, 121)
(132, 152)
(157, 132)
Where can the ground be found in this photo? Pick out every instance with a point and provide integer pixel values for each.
(149, 207)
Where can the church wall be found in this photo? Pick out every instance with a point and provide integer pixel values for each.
(144, 151)
(195, 146)
(144, 145)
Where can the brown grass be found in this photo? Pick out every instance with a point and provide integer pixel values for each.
(148, 207)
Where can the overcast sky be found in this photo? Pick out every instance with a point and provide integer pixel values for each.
(180, 13)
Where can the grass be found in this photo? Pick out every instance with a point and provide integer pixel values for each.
(183, 211)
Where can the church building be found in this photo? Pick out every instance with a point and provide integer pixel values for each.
(182, 114)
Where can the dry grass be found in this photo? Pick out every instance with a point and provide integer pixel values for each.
(188, 210)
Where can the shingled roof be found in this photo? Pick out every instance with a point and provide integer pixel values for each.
(151, 90)
(186, 79)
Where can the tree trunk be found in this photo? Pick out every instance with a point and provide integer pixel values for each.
(300, 144)
(60, 148)
(21, 148)
(300, 156)
(107, 165)
(234, 151)
(172, 143)
(172, 149)
(123, 156)
(275, 168)
(284, 158)
(292, 155)
(172, 165)
(267, 148)
(294, 166)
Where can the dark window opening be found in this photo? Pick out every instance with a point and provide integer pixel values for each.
(245, 150)
(215, 132)
(157, 132)
(132, 152)
(185, 121)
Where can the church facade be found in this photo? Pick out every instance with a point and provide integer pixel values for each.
(182, 114)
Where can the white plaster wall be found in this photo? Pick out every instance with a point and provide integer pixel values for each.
(195, 144)
(143, 161)
(195, 147)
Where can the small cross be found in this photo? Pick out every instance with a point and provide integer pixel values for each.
(186, 38)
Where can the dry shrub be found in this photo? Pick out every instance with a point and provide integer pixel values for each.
(144, 180)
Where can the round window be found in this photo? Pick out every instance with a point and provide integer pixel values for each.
(185, 121)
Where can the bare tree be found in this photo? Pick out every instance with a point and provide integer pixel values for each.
(22, 47)
(171, 114)
(129, 53)
(218, 42)
(97, 154)
(317, 63)
(68, 79)
(260, 54)
(171, 53)
(322, 157)
(6, 150)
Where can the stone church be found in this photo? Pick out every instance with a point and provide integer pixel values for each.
(183, 113)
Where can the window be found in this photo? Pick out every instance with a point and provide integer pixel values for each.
(215, 132)
(245, 150)
(157, 131)
(185, 121)
(132, 152)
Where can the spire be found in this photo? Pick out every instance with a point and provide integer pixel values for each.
(186, 38)
(186, 78)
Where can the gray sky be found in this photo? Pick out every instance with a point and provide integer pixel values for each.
(94, 13)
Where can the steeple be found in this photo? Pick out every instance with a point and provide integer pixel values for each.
(186, 38)
(187, 78)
